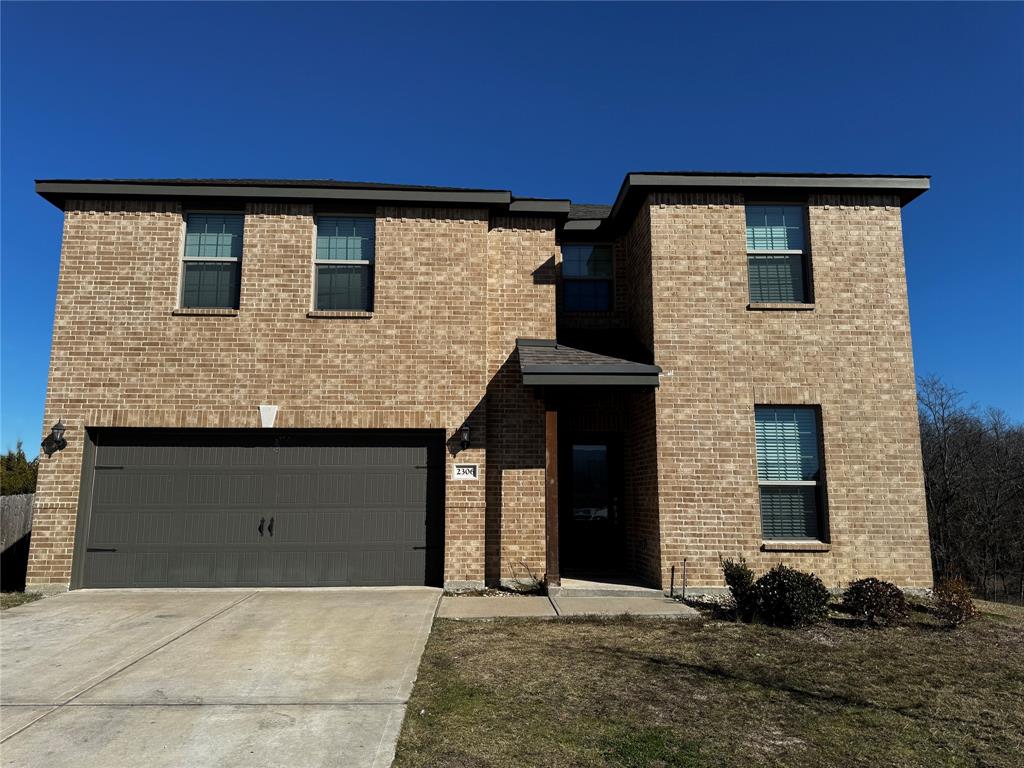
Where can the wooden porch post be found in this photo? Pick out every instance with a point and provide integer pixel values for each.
(551, 493)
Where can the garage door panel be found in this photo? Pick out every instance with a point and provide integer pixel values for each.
(238, 569)
(199, 569)
(155, 527)
(150, 569)
(183, 508)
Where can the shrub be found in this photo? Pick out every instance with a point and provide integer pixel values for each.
(787, 597)
(879, 602)
(740, 579)
(953, 603)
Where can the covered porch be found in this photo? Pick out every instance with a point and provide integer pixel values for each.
(601, 483)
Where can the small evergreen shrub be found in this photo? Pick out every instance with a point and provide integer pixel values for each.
(740, 579)
(953, 602)
(787, 597)
(880, 602)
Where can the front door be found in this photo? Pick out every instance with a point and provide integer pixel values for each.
(590, 516)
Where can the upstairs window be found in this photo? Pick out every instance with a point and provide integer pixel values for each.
(212, 269)
(344, 262)
(777, 254)
(587, 278)
(789, 471)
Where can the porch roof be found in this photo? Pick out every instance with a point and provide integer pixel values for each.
(546, 362)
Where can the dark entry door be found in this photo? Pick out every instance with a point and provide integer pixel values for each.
(590, 515)
(211, 508)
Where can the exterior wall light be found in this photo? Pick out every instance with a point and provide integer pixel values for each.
(55, 440)
(464, 436)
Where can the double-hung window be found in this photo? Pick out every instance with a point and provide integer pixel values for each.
(777, 263)
(212, 269)
(587, 278)
(789, 471)
(344, 262)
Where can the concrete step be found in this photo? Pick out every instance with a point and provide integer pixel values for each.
(587, 588)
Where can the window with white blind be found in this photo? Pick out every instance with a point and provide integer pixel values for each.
(789, 471)
(777, 255)
(212, 268)
(343, 262)
(587, 278)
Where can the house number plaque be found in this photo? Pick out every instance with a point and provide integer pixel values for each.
(466, 472)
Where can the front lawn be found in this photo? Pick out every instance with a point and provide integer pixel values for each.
(635, 692)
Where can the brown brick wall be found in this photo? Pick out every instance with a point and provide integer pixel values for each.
(851, 355)
(453, 292)
(120, 358)
(521, 303)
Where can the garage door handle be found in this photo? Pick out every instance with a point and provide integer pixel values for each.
(99, 549)
(270, 528)
(260, 526)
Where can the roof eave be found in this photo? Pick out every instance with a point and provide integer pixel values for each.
(591, 379)
(58, 192)
(907, 188)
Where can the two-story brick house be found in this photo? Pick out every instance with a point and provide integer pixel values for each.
(331, 383)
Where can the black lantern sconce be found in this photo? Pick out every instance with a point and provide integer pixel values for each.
(55, 440)
(464, 436)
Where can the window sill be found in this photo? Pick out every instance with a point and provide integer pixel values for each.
(773, 306)
(339, 314)
(796, 545)
(205, 311)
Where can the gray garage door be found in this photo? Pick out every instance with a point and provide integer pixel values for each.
(224, 508)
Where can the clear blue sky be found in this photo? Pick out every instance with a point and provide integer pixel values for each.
(547, 100)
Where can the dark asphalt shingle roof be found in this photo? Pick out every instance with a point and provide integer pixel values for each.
(589, 211)
(548, 356)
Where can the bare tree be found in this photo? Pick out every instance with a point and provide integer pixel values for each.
(974, 480)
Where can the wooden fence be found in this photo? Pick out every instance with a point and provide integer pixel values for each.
(15, 533)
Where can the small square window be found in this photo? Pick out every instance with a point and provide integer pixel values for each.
(777, 257)
(587, 278)
(344, 261)
(212, 268)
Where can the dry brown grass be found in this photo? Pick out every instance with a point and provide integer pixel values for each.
(634, 692)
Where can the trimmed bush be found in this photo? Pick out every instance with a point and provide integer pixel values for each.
(880, 602)
(953, 602)
(740, 579)
(787, 597)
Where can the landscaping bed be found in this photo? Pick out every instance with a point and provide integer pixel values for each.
(711, 692)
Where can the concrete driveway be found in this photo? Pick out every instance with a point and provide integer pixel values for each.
(313, 677)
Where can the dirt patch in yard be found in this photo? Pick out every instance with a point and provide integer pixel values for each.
(649, 692)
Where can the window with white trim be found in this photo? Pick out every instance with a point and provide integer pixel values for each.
(344, 263)
(212, 268)
(789, 471)
(777, 255)
(587, 278)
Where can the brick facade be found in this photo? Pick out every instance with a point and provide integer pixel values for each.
(851, 355)
(454, 288)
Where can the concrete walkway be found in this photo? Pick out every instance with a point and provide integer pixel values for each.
(312, 677)
(494, 607)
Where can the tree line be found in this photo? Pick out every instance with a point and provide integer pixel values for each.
(974, 483)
